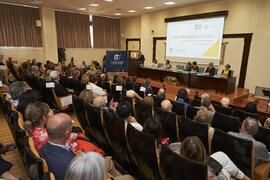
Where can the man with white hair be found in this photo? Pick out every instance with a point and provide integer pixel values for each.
(225, 102)
(161, 93)
(166, 105)
(59, 89)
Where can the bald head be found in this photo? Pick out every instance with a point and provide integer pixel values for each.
(166, 105)
(100, 101)
(59, 126)
(102, 76)
(161, 92)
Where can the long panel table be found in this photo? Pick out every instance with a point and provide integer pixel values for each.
(193, 80)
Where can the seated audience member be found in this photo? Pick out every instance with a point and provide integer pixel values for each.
(71, 64)
(119, 81)
(55, 151)
(16, 90)
(251, 107)
(124, 111)
(182, 96)
(87, 96)
(161, 93)
(166, 105)
(167, 65)
(84, 65)
(206, 102)
(75, 74)
(148, 88)
(132, 94)
(155, 64)
(225, 102)
(267, 123)
(59, 89)
(188, 66)
(100, 102)
(85, 79)
(85, 166)
(102, 80)
(37, 114)
(97, 91)
(202, 116)
(226, 72)
(192, 148)
(148, 100)
(211, 70)
(195, 68)
(248, 129)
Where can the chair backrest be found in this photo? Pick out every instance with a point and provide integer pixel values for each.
(189, 127)
(144, 153)
(116, 136)
(174, 166)
(143, 111)
(201, 69)
(239, 150)
(191, 112)
(157, 101)
(169, 124)
(179, 108)
(263, 135)
(77, 86)
(226, 123)
(117, 94)
(196, 101)
(243, 115)
(34, 164)
(95, 122)
(222, 109)
(80, 111)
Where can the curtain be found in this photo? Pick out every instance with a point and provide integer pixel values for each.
(72, 30)
(18, 26)
(106, 32)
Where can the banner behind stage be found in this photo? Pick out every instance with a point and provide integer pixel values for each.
(116, 61)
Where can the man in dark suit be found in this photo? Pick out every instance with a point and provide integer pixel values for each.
(55, 152)
(211, 70)
(59, 89)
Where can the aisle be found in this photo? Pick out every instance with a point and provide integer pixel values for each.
(14, 157)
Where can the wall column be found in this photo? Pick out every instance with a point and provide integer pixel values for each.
(49, 37)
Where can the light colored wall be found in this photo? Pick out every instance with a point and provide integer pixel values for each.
(85, 54)
(245, 16)
(22, 54)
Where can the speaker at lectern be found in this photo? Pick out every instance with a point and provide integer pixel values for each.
(133, 62)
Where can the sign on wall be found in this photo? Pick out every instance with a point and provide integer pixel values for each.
(116, 61)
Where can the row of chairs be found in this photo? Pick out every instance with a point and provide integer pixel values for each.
(36, 167)
(137, 151)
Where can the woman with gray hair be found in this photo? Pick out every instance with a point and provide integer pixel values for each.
(88, 165)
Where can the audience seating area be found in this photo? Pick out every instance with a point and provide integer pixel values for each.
(136, 152)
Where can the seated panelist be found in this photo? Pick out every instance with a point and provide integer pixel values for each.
(211, 70)
(155, 64)
(188, 66)
(195, 68)
(226, 72)
(167, 65)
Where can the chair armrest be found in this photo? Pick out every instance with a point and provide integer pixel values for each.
(262, 171)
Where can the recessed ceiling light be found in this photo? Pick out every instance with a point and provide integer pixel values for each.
(82, 9)
(118, 14)
(148, 7)
(108, 0)
(94, 5)
(131, 11)
(169, 3)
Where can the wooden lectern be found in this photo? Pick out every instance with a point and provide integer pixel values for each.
(133, 62)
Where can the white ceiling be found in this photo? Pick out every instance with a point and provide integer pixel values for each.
(109, 8)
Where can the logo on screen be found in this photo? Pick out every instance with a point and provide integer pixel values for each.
(117, 57)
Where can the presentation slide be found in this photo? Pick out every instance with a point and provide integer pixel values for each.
(196, 39)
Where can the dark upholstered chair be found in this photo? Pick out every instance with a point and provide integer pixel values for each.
(95, 123)
(174, 166)
(188, 127)
(242, 115)
(191, 112)
(263, 135)
(144, 153)
(239, 150)
(169, 124)
(223, 110)
(143, 111)
(115, 133)
(179, 108)
(226, 123)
